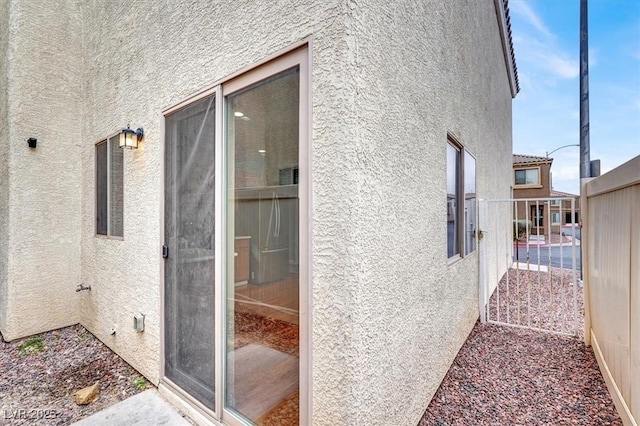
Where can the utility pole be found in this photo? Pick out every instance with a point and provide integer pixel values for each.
(585, 160)
(585, 157)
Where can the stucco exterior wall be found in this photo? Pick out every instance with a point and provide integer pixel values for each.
(389, 80)
(421, 69)
(4, 160)
(176, 49)
(43, 259)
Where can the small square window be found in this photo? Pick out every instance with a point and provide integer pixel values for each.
(527, 176)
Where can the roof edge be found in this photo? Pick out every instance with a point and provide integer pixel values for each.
(524, 159)
(504, 24)
(555, 193)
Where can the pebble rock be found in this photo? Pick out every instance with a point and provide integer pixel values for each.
(87, 395)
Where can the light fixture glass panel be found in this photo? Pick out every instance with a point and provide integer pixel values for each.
(128, 139)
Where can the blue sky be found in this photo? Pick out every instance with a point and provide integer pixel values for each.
(546, 112)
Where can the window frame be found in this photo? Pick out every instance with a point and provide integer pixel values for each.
(575, 217)
(537, 215)
(461, 251)
(559, 216)
(527, 185)
(457, 211)
(107, 141)
(466, 153)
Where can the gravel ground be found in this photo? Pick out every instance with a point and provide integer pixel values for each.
(538, 299)
(501, 376)
(40, 374)
(513, 376)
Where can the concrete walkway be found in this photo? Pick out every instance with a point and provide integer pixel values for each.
(144, 409)
(531, 267)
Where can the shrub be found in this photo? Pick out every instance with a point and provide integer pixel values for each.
(35, 345)
(140, 383)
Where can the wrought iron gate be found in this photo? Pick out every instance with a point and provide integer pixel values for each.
(530, 263)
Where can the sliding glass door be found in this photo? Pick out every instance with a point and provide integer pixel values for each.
(262, 304)
(236, 237)
(189, 249)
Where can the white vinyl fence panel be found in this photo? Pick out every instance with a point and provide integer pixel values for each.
(611, 214)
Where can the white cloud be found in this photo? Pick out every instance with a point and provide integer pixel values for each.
(566, 176)
(562, 66)
(521, 8)
(537, 45)
(545, 58)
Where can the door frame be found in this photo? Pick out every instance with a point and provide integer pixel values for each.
(298, 54)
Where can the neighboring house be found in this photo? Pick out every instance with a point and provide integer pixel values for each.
(295, 232)
(532, 179)
(563, 213)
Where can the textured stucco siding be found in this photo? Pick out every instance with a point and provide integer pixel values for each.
(389, 80)
(4, 160)
(176, 49)
(43, 259)
(421, 69)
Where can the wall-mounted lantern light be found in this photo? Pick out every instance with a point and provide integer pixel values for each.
(129, 138)
(32, 142)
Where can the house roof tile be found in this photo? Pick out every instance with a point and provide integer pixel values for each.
(526, 159)
(561, 194)
(504, 24)
(511, 49)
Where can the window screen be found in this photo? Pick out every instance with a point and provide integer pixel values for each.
(109, 188)
(117, 189)
(101, 188)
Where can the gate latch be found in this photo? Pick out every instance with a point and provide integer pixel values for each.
(165, 251)
(480, 234)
